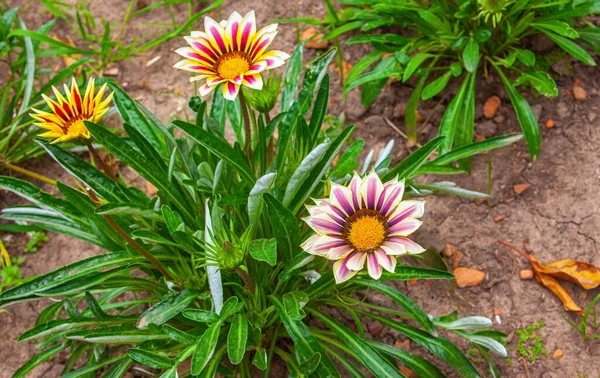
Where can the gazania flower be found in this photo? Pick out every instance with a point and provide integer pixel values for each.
(230, 52)
(364, 223)
(65, 121)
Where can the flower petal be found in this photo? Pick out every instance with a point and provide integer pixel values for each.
(341, 197)
(354, 188)
(373, 266)
(232, 30)
(393, 248)
(339, 252)
(409, 245)
(407, 209)
(341, 272)
(321, 244)
(356, 261)
(216, 35)
(205, 89)
(323, 224)
(405, 228)
(391, 198)
(370, 189)
(247, 30)
(253, 81)
(387, 262)
(256, 68)
(193, 66)
(230, 91)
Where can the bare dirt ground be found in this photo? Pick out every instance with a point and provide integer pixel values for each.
(559, 213)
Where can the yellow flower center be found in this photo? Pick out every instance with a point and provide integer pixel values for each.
(232, 64)
(366, 231)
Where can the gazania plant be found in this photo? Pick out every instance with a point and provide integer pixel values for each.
(243, 259)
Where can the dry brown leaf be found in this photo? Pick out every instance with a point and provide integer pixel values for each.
(582, 273)
(578, 272)
(466, 277)
(552, 284)
(491, 106)
(526, 274)
(313, 39)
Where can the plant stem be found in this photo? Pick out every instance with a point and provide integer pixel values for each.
(129, 240)
(246, 278)
(100, 161)
(30, 173)
(247, 125)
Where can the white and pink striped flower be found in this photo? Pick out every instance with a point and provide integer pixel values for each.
(230, 52)
(366, 222)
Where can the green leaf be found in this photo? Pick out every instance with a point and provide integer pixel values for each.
(407, 272)
(482, 35)
(319, 109)
(572, 48)
(132, 115)
(219, 147)
(410, 115)
(379, 366)
(558, 27)
(301, 173)
(101, 184)
(319, 170)
(91, 368)
(477, 148)
(413, 161)
(151, 359)
(205, 348)
(360, 66)
(305, 344)
(525, 115)
(71, 272)
(421, 317)
(237, 338)
(210, 371)
(347, 162)
(292, 77)
(541, 81)
(591, 37)
(264, 250)
(527, 57)
(466, 121)
(68, 49)
(413, 64)
(53, 327)
(44, 200)
(284, 226)
(440, 347)
(436, 86)
(166, 309)
(118, 370)
(471, 56)
(201, 316)
(178, 335)
(114, 335)
(255, 201)
(36, 360)
(451, 116)
(150, 169)
(260, 359)
(421, 367)
(231, 306)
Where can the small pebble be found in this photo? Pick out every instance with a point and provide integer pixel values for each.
(579, 93)
(526, 274)
(558, 353)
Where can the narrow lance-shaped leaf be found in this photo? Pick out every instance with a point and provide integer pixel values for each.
(379, 366)
(237, 338)
(305, 344)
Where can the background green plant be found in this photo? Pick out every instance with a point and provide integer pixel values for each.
(218, 206)
(444, 41)
(26, 80)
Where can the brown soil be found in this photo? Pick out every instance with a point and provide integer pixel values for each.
(559, 213)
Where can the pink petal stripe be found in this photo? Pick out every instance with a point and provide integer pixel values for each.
(405, 228)
(409, 245)
(373, 266)
(407, 209)
(357, 261)
(387, 262)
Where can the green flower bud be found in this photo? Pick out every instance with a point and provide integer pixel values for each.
(264, 100)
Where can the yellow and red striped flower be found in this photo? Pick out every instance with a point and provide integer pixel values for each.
(230, 52)
(364, 223)
(64, 122)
